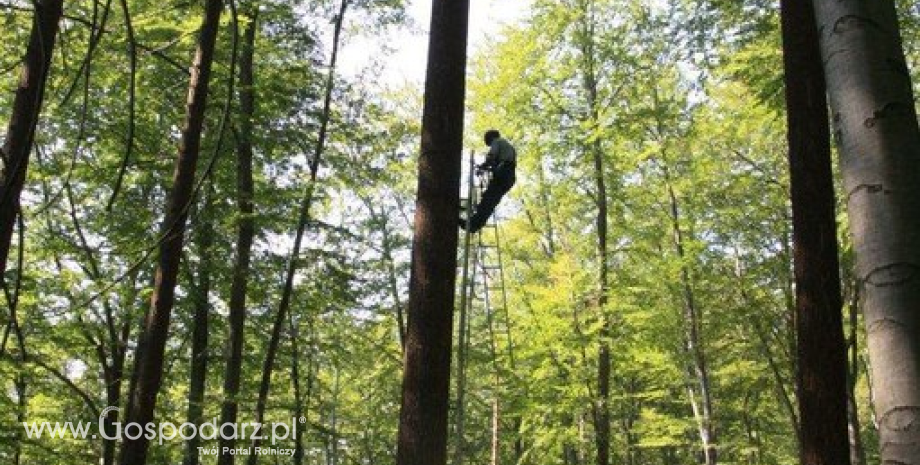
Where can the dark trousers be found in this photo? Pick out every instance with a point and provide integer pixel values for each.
(499, 185)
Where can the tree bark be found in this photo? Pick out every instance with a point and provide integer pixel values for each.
(26, 108)
(244, 238)
(821, 351)
(876, 129)
(151, 347)
(426, 375)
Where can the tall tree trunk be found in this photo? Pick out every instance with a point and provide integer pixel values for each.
(876, 128)
(151, 347)
(302, 221)
(426, 375)
(601, 408)
(199, 360)
(821, 351)
(26, 108)
(693, 339)
(244, 238)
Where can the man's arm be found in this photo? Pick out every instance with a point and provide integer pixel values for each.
(491, 158)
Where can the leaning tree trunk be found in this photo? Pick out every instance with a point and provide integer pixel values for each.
(149, 365)
(426, 375)
(876, 129)
(287, 290)
(26, 106)
(244, 239)
(821, 351)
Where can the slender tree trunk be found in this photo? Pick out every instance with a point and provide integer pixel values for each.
(821, 351)
(692, 317)
(301, 399)
(496, 431)
(334, 419)
(149, 364)
(390, 264)
(426, 374)
(114, 378)
(750, 429)
(303, 218)
(781, 392)
(876, 128)
(199, 359)
(391, 279)
(21, 406)
(857, 451)
(111, 348)
(244, 238)
(548, 230)
(26, 108)
(601, 408)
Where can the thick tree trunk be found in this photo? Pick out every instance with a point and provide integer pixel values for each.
(426, 375)
(876, 129)
(26, 107)
(821, 352)
(244, 238)
(149, 364)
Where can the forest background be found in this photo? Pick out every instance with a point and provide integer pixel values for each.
(680, 103)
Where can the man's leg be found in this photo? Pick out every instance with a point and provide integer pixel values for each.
(490, 198)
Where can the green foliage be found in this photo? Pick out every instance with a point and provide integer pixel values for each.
(688, 104)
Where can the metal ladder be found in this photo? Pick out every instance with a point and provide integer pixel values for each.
(482, 291)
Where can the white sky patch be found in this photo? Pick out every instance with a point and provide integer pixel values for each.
(406, 65)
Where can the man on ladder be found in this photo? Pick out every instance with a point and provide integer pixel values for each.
(501, 161)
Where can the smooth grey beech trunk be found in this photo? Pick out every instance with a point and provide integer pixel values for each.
(876, 130)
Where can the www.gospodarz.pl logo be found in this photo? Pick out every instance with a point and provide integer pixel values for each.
(165, 431)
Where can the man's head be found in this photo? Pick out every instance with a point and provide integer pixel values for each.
(490, 136)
